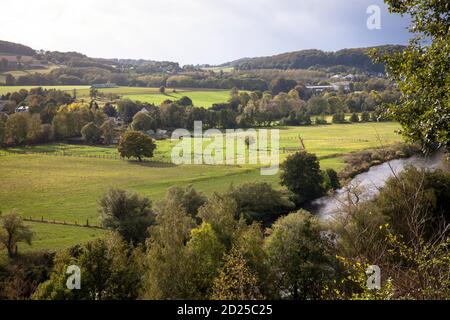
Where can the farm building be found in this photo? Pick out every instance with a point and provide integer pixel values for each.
(22, 109)
(104, 85)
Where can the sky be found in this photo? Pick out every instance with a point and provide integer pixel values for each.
(196, 31)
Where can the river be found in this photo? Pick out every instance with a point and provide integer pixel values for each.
(369, 183)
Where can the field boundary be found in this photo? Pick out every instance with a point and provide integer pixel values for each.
(64, 223)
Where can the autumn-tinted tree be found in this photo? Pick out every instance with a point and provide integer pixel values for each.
(110, 270)
(220, 211)
(13, 231)
(137, 145)
(204, 253)
(250, 243)
(235, 280)
(167, 270)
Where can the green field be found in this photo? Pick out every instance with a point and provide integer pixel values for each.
(19, 73)
(6, 89)
(65, 183)
(200, 97)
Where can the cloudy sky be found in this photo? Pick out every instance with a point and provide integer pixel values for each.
(196, 31)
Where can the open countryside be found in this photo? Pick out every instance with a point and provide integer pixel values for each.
(39, 180)
(137, 164)
(200, 97)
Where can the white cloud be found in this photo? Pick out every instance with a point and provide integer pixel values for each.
(192, 31)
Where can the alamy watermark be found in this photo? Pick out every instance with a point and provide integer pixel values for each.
(374, 20)
(227, 147)
(373, 277)
(74, 280)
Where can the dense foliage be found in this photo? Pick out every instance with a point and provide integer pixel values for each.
(351, 58)
(422, 73)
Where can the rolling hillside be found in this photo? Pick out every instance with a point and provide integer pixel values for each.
(354, 58)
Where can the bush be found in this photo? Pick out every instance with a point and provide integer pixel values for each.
(338, 117)
(365, 117)
(354, 117)
(331, 180)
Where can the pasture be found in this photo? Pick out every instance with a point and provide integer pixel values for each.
(200, 97)
(64, 182)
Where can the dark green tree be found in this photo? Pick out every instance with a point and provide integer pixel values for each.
(258, 201)
(354, 117)
(331, 179)
(128, 213)
(281, 85)
(110, 110)
(365, 117)
(302, 256)
(302, 176)
(136, 144)
(142, 121)
(91, 133)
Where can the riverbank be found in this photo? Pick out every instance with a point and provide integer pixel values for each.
(368, 183)
(362, 161)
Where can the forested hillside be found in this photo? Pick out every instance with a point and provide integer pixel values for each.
(12, 48)
(354, 58)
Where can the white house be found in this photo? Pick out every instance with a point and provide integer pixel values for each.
(22, 109)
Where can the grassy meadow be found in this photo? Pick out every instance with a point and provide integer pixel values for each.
(64, 182)
(10, 89)
(200, 97)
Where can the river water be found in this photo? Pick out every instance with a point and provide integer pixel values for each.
(369, 183)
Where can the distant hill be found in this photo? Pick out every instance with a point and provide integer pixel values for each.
(11, 48)
(304, 59)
